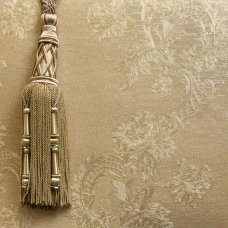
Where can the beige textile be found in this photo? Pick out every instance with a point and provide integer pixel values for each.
(145, 85)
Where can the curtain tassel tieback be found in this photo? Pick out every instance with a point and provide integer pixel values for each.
(45, 165)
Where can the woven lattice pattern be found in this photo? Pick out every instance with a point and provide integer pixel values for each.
(45, 63)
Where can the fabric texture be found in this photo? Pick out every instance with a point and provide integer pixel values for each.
(145, 88)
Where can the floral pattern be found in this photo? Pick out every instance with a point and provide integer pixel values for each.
(145, 214)
(17, 17)
(138, 147)
(190, 184)
(13, 217)
(9, 218)
(166, 43)
(154, 215)
(11, 214)
(167, 50)
(108, 19)
(83, 194)
(143, 141)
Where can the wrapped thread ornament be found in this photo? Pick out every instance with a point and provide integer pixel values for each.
(45, 165)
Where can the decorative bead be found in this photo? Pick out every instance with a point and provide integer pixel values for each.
(49, 30)
(25, 181)
(54, 141)
(26, 164)
(26, 122)
(55, 169)
(26, 143)
(55, 178)
(55, 181)
(26, 150)
(55, 149)
(26, 110)
(54, 109)
(49, 19)
(54, 130)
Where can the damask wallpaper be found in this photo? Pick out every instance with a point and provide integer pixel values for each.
(146, 86)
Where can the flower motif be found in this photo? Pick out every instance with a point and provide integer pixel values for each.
(190, 183)
(156, 64)
(17, 17)
(154, 215)
(8, 218)
(162, 85)
(108, 20)
(144, 140)
(83, 195)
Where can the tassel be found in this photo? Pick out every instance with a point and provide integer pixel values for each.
(45, 165)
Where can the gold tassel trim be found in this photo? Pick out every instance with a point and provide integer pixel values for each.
(45, 161)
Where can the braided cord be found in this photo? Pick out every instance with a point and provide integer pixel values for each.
(48, 6)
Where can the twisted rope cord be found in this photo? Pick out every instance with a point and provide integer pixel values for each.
(48, 6)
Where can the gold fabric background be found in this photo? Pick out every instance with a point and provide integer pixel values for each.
(145, 84)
